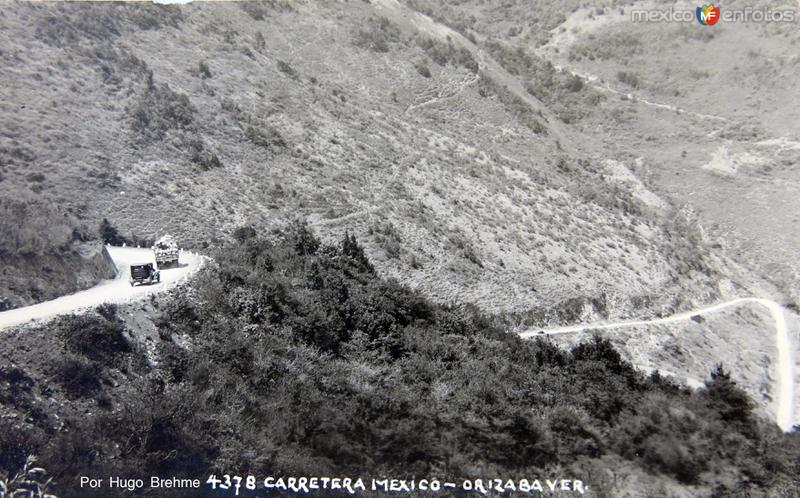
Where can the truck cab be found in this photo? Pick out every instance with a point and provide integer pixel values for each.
(144, 274)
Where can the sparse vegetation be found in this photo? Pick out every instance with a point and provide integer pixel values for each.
(628, 78)
(423, 70)
(447, 53)
(286, 69)
(203, 70)
(622, 44)
(266, 137)
(256, 9)
(68, 25)
(388, 238)
(563, 93)
(377, 35)
(203, 157)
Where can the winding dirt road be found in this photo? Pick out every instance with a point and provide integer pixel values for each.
(784, 383)
(117, 290)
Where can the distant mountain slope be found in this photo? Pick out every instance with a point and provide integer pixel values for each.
(194, 120)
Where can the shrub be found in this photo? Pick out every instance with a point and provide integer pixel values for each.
(203, 70)
(286, 69)
(376, 35)
(15, 385)
(244, 233)
(110, 235)
(255, 9)
(78, 376)
(160, 110)
(260, 42)
(98, 337)
(628, 78)
(444, 53)
(266, 137)
(201, 156)
(423, 70)
(574, 83)
(732, 404)
(35, 177)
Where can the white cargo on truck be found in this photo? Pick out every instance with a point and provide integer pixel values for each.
(166, 252)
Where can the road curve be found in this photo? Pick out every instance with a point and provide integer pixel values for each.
(117, 290)
(784, 383)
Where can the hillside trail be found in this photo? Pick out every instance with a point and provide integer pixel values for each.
(117, 290)
(784, 382)
(402, 15)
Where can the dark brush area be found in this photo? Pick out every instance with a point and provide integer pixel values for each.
(290, 356)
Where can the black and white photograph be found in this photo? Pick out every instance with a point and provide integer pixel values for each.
(399, 248)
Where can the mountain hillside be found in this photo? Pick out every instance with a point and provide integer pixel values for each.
(290, 357)
(462, 180)
(45, 253)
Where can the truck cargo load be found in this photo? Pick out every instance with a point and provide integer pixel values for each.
(166, 252)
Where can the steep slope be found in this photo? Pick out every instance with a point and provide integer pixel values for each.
(702, 114)
(292, 357)
(44, 253)
(194, 120)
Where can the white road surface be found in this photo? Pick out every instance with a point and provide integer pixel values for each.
(784, 366)
(117, 290)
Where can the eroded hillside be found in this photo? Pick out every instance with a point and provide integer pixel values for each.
(461, 181)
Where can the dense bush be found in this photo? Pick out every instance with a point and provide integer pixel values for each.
(286, 69)
(444, 53)
(69, 24)
(203, 70)
(161, 109)
(77, 375)
(565, 94)
(260, 9)
(295, 357)
(376, 34)
(200, 155)
(266, 137)
(629, 78)
(109, 234)
(99, 337)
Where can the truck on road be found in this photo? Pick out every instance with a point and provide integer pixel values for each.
(166, 252)
(144, 274)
